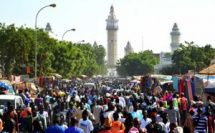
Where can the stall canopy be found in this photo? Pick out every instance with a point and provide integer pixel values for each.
(210, 88)
(209, 70)
(56, 75)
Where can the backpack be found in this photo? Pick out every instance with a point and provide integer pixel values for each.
(116, 126)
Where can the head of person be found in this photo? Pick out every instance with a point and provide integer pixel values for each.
(160, 104)
(165, 116)
(208, 110)
(111, 106)
(81, 104)
(115, 116)
(41, 109)
(56, 119)
(74, 121)
(71, 105)
(199, 111)
(8, 103)
(135, 106)
(34, 111)
(37, 125)
(26, 90)
(85, 114)
(74, 94)
(182, 95)
(61, 118)
(128, 122)
(62, 105)
(10, 108)
(137, 123)
(171, 104)
(83, 100)
(119, 108)
(157, 128)
(27, 101)
(191, 112)
(145, 113)
(86, 98)
(117, 99)
(174, 95)
(94, 102)
(154, 117)
(20, 91)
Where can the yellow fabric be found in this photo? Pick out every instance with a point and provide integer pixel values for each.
(108, 122)
(61, 94)
(165, 104)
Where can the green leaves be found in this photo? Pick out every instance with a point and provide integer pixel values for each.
(17, 52)
(137, 64)
(190, 57)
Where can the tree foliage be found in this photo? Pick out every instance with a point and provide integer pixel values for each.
(190, 57)
(137, 64)
(17, 52)
(69, 59)
(100, 53)
(90, 56)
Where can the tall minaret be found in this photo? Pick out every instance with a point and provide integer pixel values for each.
(128, 49)
(112, 27)
(175, 37)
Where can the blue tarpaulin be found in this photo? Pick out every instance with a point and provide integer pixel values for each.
(4, 86)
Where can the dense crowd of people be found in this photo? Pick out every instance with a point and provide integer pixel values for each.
(76, 109)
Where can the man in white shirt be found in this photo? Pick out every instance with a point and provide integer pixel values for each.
(145, 120)
(85, 124)
(165, 123)
(121, 99)
(44, 114)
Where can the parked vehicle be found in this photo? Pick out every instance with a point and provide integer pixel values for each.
(16, 101)
(90, 85)
(8, 83)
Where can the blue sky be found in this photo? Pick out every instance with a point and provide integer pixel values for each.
(151, 20)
